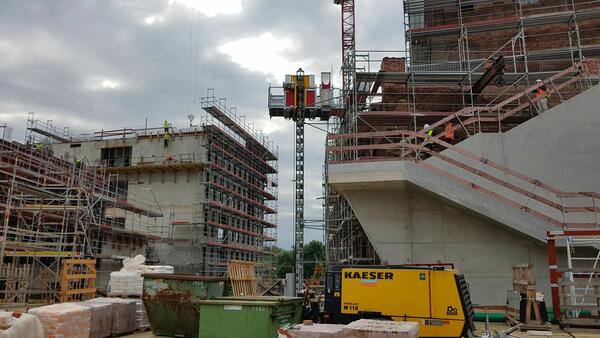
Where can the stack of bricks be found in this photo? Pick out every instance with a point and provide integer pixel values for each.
(123, 314)
(369, 328)
(64, 320)
(101, 319)
(362, 328)
(316, 331)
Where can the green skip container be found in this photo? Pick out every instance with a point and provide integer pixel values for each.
(173, 302)
(247, 317)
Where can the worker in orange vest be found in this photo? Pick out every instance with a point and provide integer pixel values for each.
(449, 132)
(541, 91)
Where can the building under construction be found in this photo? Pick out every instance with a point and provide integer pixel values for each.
(192, 197)
(446, 154)
(54, 211)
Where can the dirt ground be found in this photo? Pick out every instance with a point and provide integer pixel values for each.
(556, 333)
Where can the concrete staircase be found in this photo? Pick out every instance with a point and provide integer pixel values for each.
(541, 175)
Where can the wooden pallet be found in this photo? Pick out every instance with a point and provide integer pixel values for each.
(524, 283)
(243, 278)
(77, 280)
(523, 277)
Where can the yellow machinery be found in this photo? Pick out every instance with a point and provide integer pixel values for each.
(436, 298)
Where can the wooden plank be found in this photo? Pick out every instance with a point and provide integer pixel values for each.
(243, 278)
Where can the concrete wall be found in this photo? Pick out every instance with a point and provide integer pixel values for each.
(409, 225)
(178, 194)
(412, 215)
(143, 149)
(559, 147)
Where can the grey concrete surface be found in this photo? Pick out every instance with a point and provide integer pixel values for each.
(413, 215)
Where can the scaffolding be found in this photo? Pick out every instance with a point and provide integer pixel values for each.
(226, 170)
(470, 64)
(242, 187)
(575, 277)
(54, 210)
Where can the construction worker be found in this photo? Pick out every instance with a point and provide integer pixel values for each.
(428, 142)
(39, 147)
(541, 91)
(78, 163)
(167, 126)
(166, 138)
(449, 132)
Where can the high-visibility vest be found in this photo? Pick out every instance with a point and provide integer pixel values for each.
(166, 136)
(429, 135)
(166, 125)
(540, 92)
(449, 132)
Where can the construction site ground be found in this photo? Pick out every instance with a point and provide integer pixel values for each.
(556, 332)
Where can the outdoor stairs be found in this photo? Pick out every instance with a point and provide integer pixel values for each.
(458, 173)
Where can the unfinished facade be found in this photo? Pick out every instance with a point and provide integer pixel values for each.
(215, 184)
(497, 172)
(54, 210)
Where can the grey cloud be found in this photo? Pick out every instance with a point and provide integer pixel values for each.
(68, 43)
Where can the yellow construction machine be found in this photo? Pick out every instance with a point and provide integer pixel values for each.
(436, 298)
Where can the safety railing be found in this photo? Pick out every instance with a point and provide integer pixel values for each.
(512, 105)
(230, 113)
(552, 205)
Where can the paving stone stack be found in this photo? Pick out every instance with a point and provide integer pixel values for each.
(316, 331)
(123, 314)
(101, 319)
(369, 328)
(65, 320)
(363, 328)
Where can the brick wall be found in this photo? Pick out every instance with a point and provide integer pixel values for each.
(448, 14)
(481, 45)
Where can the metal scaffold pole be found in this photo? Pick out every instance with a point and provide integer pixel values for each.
(299, 203)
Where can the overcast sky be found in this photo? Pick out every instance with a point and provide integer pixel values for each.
(107, 64)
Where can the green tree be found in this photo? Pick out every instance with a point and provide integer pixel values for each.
(314, 254)
(284, 260)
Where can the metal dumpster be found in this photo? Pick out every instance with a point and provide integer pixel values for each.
(247, 316)
(172, 301)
